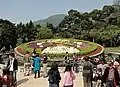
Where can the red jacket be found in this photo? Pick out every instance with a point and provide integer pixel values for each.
(116, 76)
(7, 80)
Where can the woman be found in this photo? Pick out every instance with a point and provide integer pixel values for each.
(68, 77)
(75, 63)
(54, 76)
(37, 61)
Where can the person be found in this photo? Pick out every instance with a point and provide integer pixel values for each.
(45, 60)
(116, 65)
(68, 77)
(100, 70)
(37, 61)
(54, 76)
(67, 60)
(27, 64)
(34, 52)
(87, 72)
(12, 65)
(6, 78)
(33, 56)
(97, 74)
(111, 76)
(75, 63)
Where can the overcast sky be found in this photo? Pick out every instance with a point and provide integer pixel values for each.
(25, 10)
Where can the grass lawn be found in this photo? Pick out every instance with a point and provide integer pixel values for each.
(112, 49)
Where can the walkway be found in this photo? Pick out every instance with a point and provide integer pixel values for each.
(29, 81)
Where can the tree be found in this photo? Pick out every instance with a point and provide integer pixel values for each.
(44, 33)
(93, 33)
(31, 31)
(116, 2)
(8, 35)
(27, 32)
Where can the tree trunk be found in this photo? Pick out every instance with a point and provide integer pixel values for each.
(93, 39)
(103, 44)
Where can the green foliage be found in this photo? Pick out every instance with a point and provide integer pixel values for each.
(8, 34)
(44, 33)
(101, 26)
(116, 2)
(27, 32)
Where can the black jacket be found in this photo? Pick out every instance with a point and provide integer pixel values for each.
(106, 73)
(54, 76)
(15, 64)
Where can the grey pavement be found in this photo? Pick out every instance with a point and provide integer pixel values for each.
(29, 81)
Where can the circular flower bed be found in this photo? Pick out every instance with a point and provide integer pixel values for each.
(56, 48)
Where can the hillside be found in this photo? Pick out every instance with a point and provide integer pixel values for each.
(54, 19)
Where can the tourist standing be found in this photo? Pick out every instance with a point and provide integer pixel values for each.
(27, 64)
(116, 65)
(111, 76)
(12, 66)
(37, 61)
(54, 76)
(87, 72)
(67, 60)
(75, 63)
(45, 60)
(34, 52)
(69, 77)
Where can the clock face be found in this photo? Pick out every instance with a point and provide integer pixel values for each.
(61, 46)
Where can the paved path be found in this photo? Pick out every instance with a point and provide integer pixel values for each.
(29, 81)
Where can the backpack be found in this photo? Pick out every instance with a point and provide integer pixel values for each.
(87, 69)
(52, 78)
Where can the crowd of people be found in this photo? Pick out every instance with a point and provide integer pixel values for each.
(53, 74)
(96, 73)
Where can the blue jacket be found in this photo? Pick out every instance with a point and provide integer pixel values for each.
(37, 61)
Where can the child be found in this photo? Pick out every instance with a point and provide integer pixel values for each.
(68, 77)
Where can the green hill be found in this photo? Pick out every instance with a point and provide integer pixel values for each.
(54, 19)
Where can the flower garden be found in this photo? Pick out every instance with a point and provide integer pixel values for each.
(56, 48)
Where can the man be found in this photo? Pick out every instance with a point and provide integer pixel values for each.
(12, 65)
(45, 60)
(87, 72)
(111, 76)
(27, 64)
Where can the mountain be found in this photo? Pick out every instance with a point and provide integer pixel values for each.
(54, 19)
